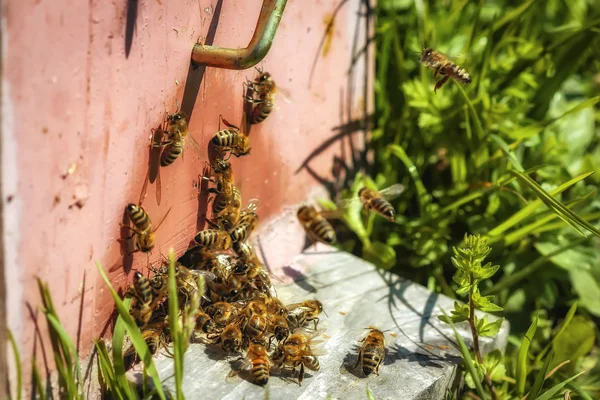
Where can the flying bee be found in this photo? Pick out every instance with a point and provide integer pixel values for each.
(246, 223)
(258, 362)
(213, 239)
(439, 63)
(141, 309)
(300, 313)
(377, 201)
(142, 227)
(317, 228)
(263, 86)
(372, 351)
(232, 139)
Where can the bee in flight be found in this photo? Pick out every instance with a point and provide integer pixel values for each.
(377, 201)
(441, 65)
(316, 226)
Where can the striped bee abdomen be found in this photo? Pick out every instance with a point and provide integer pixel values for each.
(170, 154)
(138, 216)
(224, 138)
(383, 207)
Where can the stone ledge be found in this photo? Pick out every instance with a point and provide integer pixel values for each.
(421, 357)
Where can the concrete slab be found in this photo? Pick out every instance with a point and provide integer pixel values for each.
(421, 357)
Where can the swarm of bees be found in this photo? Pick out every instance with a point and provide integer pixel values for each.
(239, 311)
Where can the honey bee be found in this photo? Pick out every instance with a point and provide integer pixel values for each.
(153, 335)
(205, 324)
(232, 139)
(299, 350)
(142, 227)
(246, 223)
(256, 327)
(279, 328)
(439, 63)
(300, 313)
(377, 201)
(213, 239)
(317, 228)
(372, 351)
(141, 309)
(264, 87)
(231, 338)
(222, 313)
(258, 362)
(177, 131)
(226, 209)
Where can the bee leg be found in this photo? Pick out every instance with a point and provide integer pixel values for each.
(441, 83)
(436, 72)
(301, 374)
(358, 360)
(316, 322)
(213, 224)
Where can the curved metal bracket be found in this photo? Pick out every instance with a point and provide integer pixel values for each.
(257, 49)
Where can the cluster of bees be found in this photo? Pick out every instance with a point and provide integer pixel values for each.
(240, 310)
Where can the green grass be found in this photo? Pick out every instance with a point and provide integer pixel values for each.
(511, 157)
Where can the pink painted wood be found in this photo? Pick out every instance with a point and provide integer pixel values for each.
(76, 120)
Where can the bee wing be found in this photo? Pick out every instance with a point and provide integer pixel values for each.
(285, 94)
(194, 142)
(163, 220)
(392, 192)
(316, 351)
(252, 206)
(208, 276)
(345, 203)
(266, 280)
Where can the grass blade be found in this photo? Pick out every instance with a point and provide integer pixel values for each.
(521, 372)
(528, 209)
(468, 361)
(540, 378)
(136, 336)
(547, 395)
(478, 126)
(15, 349)
(424, 197)
(508, 151)
(117, 353)
(38, 391)
(565, 324)
(175, 327)
(564, 213)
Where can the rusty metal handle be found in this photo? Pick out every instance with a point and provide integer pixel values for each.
(257, 49)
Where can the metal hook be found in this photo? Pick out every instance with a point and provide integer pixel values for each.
(257, 49)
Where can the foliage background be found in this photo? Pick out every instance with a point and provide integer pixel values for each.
(532, 106)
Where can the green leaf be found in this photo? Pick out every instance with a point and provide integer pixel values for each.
(38, 391)
(513, 14)
(494, 365)
(459, 314)
(563, 326)
(380, 254)
(490, 329)
(370, 394)
(575, 341)
(527, 211)
(556, 388)
(484, 303)
(521, 372)
(540, 378)
(587, 288)
(117, 353)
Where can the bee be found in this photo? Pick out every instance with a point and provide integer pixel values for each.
(246, 223)
(258, 362)
(177, 131)
(439, 63)
(256, 327)
(377, 201)
(142, 227)
(222, 313)
(187, 282)
(141, 309)
(299, 350)
(372, 351)
(264, 87)
(300, 313)
(153, 335)
(232, 139)
(205, 324)
(316, 226)
(226, 209)
(213, 239)
(279, 327)
(231, 338)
